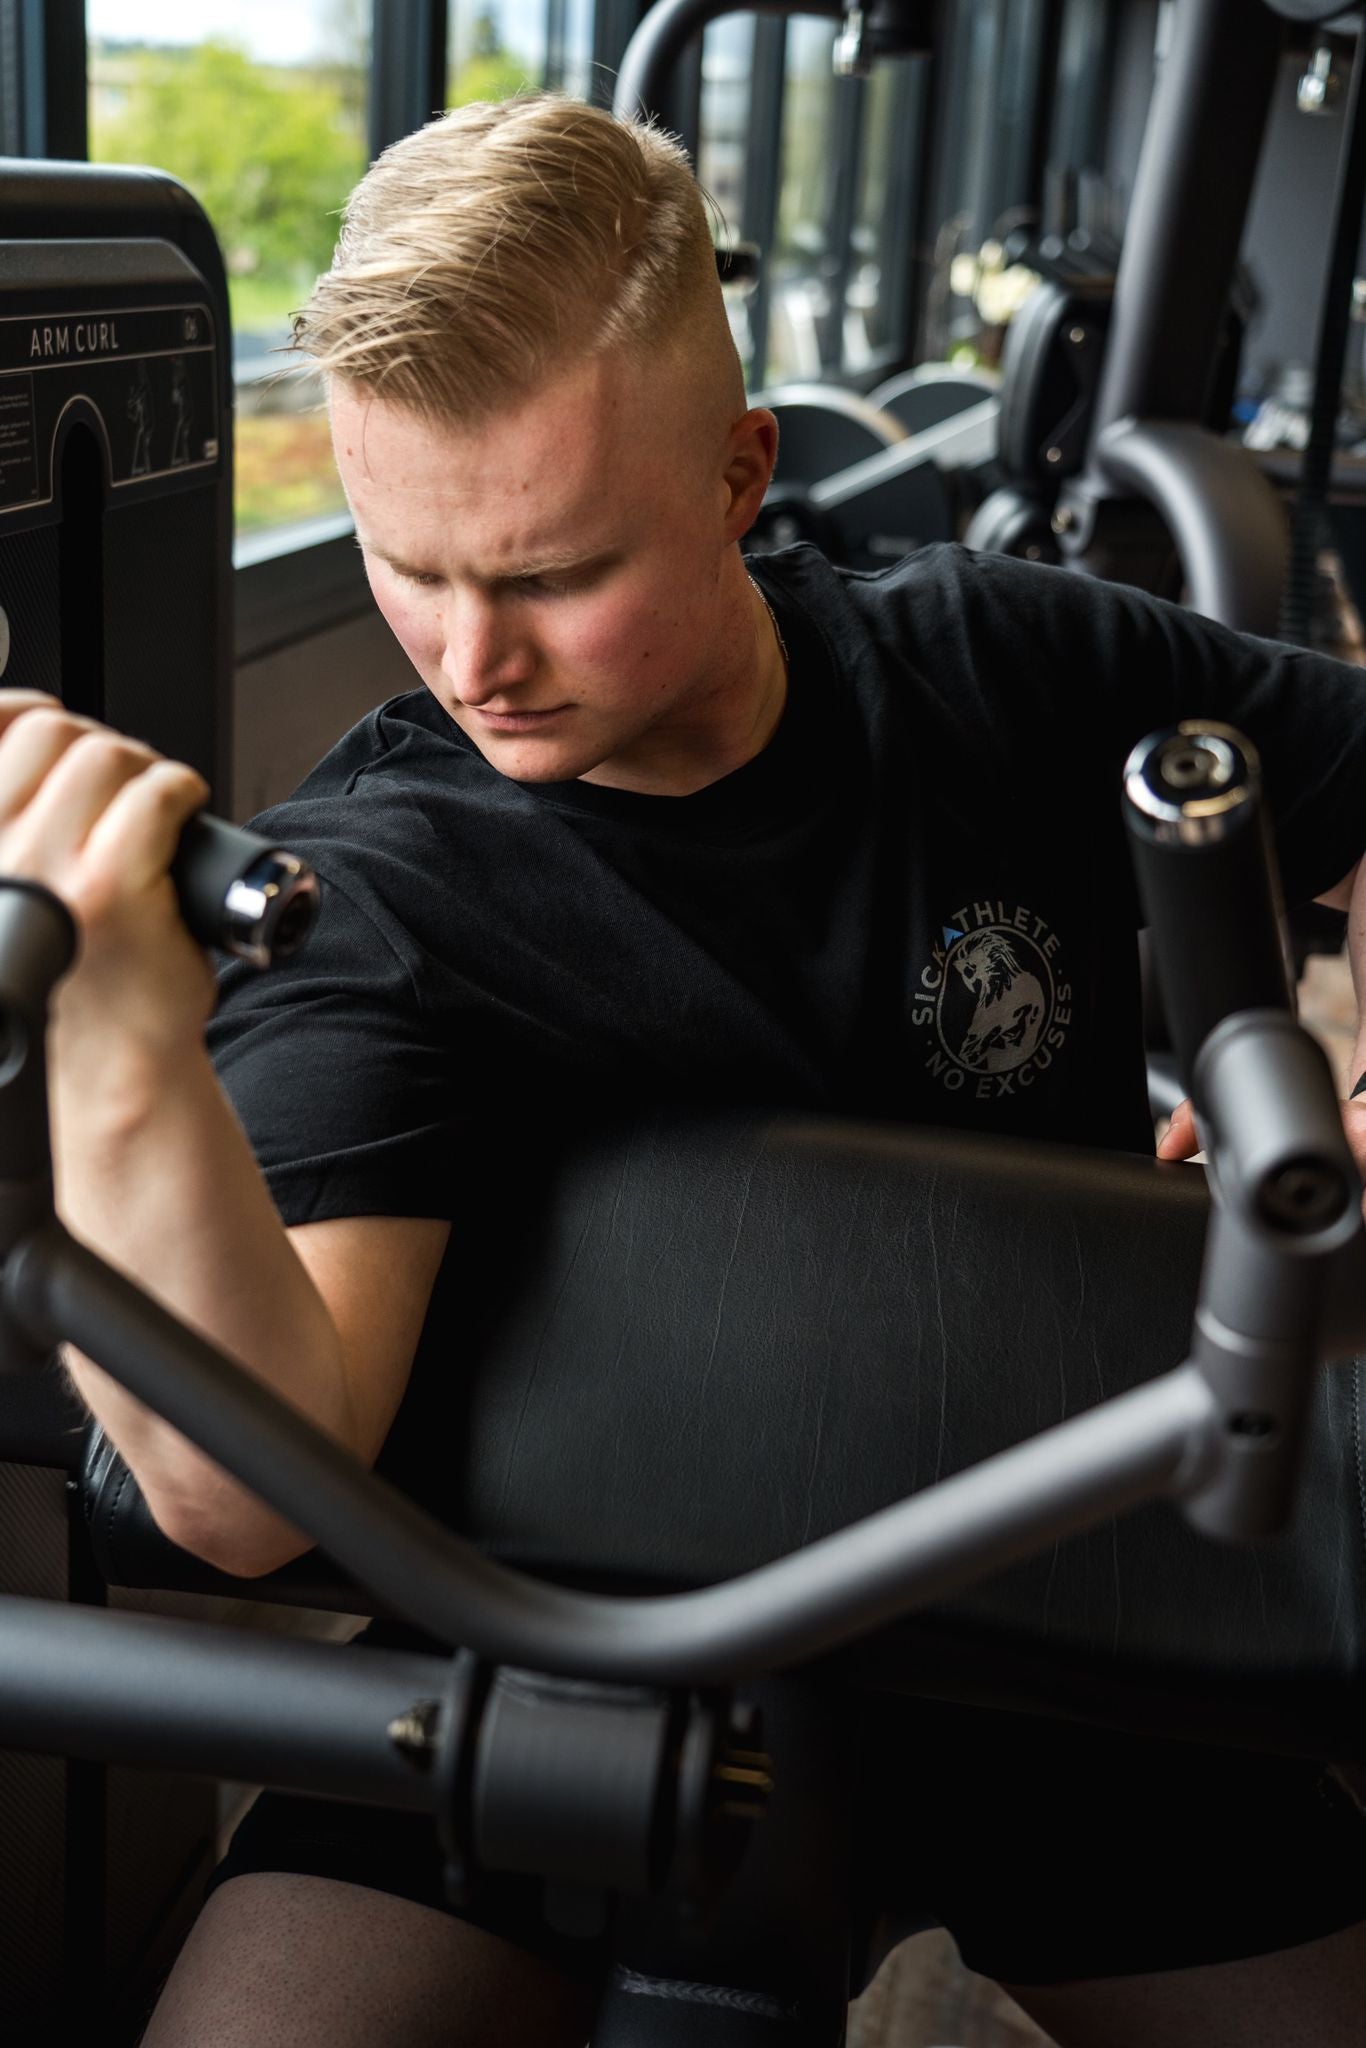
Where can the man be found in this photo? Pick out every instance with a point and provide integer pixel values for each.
(650, 831)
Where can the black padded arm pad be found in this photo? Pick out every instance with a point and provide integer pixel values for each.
(719, 1340)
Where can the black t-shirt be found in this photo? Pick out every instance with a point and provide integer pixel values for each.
(915, 904)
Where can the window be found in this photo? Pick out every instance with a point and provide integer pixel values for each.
(727, 58)
(260, 108)
(878, 288)
(821, 173)
(493, 49)
(498, 47)
(999, 65)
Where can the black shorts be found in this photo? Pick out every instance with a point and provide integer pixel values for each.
(1051, 1851)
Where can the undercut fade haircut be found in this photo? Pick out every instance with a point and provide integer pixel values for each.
(502, 243)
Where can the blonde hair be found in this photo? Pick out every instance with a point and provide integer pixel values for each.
(502, 243)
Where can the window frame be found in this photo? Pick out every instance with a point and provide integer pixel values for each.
(43, 79)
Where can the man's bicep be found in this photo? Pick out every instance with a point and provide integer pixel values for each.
(375, 1274)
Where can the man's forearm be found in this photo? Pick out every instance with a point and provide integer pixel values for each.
(154, 1173)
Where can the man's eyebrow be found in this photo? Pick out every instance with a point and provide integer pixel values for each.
(370, 547)
(541, 565)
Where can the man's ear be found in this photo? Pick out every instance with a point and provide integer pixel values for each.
(751, 454)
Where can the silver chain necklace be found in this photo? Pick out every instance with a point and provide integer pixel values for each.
(773, 621)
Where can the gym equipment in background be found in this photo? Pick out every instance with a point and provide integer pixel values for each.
(115, 489)
(116, 595)
(865, 486)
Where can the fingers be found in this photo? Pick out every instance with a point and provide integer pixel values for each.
(83, 809)
(140, 827)
(1180, 1139)
(34, 734)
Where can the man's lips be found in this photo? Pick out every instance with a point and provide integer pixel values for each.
(519, 721)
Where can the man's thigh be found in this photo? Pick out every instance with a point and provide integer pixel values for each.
(1310, 1996)
(278, 1960)
(1058, 1854)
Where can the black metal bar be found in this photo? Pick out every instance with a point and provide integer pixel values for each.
(1267, 1093)
(85, 1862)
(614, 23)
(192, 1696)
(43, 86)
(992, 171)
(897, 242)
(1080, 119)
(924, 222)
(946, 148)
(407, 68)
(65, 87)
(1256, 1346)
(1221, 513)
(1203, 861)
(762, 164)
(665, 33)
(1186, 219)
(1047, 60)
(847, 121)
(18, 96)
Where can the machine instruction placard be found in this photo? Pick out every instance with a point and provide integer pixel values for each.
(149, 374)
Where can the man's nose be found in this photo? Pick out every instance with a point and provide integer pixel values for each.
(484, 651)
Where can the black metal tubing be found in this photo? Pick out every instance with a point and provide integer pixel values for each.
(1223, 516)
(1011, 148)
(1287, 1193)
(193, 1696)
(1045, 104)
(848, 120)
(899, 264)
(1079, 120)
(1284, 1168)
(614, 23)
(1153, 1440)
(1189, 204)
(43, 79)
(407, 68)
(665, 33)
(1203, 863)
(763, 154)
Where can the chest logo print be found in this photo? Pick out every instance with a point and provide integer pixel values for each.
(990, 1003)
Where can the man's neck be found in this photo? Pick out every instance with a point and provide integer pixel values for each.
(741, 717)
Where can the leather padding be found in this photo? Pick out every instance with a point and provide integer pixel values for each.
(703, 1344)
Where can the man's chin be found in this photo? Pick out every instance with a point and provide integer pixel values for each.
(532, 761)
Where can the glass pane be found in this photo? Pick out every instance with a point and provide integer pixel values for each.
(497, 47)
(578, 49)
(723, 130)
(799, 302)
(723, 141)
(259, 107)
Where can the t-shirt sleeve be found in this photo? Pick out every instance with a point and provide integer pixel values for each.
(1075, 672)
(347, 1098)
